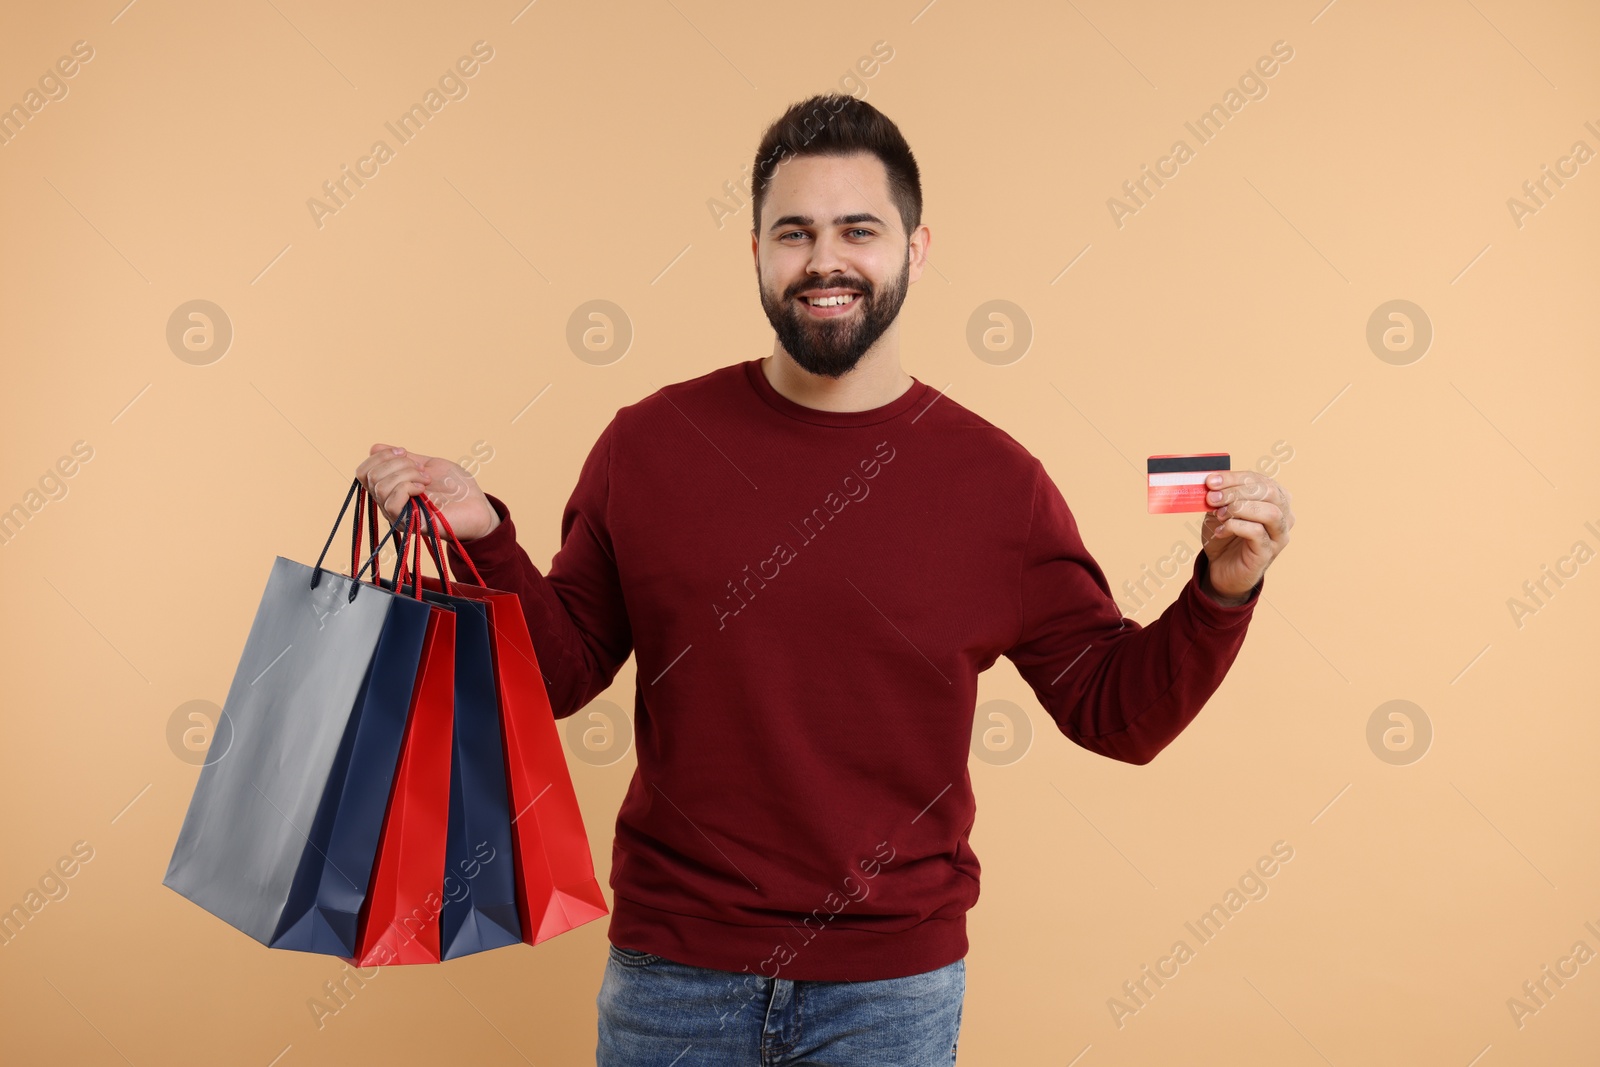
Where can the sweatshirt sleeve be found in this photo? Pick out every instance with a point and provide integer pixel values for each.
(1113, 686)
(576, 615)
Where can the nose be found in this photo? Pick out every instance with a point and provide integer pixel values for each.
(827, 257)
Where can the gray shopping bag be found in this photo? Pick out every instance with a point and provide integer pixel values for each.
(326, 656)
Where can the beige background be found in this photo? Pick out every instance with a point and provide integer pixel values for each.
(1229, 313)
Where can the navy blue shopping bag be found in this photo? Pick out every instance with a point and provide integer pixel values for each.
(480, 893)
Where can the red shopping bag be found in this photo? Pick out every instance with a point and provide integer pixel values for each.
(400, 916)
(556, 886)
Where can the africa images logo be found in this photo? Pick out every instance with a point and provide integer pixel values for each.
(742, 590)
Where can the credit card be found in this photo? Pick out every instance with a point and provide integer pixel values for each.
(1178, 482)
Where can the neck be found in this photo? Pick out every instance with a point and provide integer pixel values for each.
(871, 383)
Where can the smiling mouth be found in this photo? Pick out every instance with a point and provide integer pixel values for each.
(829, 307)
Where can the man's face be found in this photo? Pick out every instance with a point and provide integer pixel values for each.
(829, 228)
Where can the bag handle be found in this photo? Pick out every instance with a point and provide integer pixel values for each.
(396, 532)
(431, 539)
(410, 540)
(435, 550)
(435, 512)
(406, 528)
(366, 506)
(369, 503)
(356, 488)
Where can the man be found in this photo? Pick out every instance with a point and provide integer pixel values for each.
(813, 556)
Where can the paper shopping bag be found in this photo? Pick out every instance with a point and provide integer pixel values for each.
(556, 886)
(282, 828)
(400, 917)
(479, 910)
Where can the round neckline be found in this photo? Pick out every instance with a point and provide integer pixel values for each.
(917, 391)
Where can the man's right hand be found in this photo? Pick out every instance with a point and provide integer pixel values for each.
(393, 476)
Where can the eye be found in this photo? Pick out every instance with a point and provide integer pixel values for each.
(802, 233)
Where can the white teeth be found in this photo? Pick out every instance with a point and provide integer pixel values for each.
(830, 301)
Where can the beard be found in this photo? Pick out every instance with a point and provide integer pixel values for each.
(832, 347)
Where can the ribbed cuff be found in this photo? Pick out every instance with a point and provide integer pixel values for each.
(1208, 611)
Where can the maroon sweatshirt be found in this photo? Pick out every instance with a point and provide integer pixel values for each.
(811, 596)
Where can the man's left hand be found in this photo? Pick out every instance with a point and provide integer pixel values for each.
(1246, 528)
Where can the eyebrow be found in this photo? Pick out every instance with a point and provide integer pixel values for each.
(842, 220)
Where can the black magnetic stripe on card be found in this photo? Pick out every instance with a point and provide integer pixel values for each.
(1187, 463)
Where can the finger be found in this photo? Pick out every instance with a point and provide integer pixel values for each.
(384, 478)
(1222, 479)
(393, 485)
(1243, 485)
(1210, 528)
(379, 467)
(397, 450)
(378, 454)
(377, 457)
(395, 499)
(1260, 511)
(1245, 530)
(385, 483)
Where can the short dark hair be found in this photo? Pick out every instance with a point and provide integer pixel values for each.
(834, 124)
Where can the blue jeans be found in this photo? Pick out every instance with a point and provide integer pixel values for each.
(656, 1012)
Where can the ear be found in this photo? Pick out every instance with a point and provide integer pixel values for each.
(917, 251)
